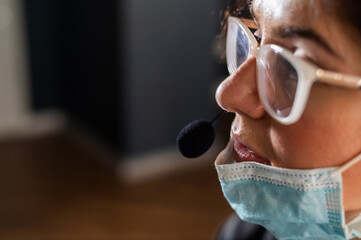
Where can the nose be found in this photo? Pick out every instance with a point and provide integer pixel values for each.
(238, 93)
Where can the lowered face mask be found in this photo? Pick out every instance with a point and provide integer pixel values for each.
(291, 204)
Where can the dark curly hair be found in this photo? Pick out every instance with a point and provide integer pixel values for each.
(349, 12)
(235, 8)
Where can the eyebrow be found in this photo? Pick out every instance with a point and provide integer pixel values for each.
(307, 34)
(298, 32)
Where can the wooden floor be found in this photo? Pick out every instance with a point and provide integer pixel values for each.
(53, 188)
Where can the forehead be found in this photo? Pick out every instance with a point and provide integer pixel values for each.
(278, 16)
(272, 8)
(319, 16)
(300, 12)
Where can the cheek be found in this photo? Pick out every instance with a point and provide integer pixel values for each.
(328, 133)
(321, 138)
(298, 146)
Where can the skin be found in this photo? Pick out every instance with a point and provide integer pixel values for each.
(328, 133)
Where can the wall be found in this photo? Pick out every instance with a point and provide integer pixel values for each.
(131, 73)
(169, 69)
(14, 108)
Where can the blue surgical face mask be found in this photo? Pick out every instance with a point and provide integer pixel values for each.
(291, 204)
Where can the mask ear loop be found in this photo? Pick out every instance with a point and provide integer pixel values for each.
(347, 165)
(342, 168)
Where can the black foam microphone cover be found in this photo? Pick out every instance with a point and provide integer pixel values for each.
(196, 138)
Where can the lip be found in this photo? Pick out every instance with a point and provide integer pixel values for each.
(243, 153)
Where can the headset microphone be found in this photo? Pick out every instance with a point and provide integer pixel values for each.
(197, 137)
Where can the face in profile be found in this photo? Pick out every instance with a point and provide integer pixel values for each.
(327, 132)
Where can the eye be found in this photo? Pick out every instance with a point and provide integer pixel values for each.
(258, 39)
(257, 35)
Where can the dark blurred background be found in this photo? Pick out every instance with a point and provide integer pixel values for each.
(92, 96)
(132, 72)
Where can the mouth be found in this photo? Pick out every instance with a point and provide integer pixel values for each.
(242, 153)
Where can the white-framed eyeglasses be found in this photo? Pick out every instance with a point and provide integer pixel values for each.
(284, 81)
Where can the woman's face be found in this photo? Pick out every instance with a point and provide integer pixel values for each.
(329, 131)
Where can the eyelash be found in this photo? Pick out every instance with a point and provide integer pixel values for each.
(258, 39)
(257, 35)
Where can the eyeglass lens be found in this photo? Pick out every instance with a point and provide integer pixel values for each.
(277, 81)
(237, 42)
(277, 78)
(242, 47)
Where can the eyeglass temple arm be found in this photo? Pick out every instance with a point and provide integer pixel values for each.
(342, 80)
